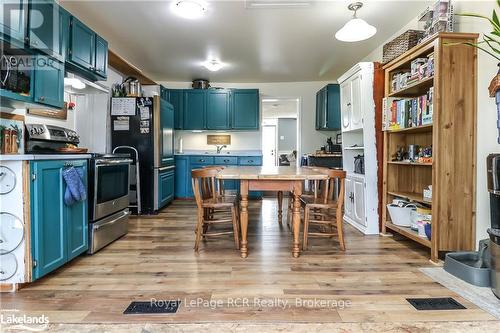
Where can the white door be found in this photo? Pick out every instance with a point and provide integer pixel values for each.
(348, 202)
(269, 145)
(359, 202)
(356, 107)
(345, 104)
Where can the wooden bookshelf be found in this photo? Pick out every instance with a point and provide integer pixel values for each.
(453, 139)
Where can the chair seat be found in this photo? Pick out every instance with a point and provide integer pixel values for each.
(318, 202)
(219, 202)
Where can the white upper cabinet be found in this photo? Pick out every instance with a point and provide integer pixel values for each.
(345, 105)
(351, 103)
(356, 101)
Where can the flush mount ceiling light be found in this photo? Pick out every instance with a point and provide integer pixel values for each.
(213, 65)
(74, 83)
(356, 29)
(190, 9)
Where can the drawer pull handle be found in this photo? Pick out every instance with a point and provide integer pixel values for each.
(202, 161)
(250, 161)
(226, 161)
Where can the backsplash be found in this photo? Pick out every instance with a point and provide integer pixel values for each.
(198, 141)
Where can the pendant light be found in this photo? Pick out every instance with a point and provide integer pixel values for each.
(355, 29)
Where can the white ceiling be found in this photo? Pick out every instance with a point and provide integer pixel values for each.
(260, 45)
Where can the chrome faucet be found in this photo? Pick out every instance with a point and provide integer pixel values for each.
(219, 148)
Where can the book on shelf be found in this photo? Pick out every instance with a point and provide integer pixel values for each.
(420, 69)
(401, 113)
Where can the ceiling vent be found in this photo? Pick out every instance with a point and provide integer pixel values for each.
(265, 4)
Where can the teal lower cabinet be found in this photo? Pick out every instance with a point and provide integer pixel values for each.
(185, 163)
(59, 232)
(166, 181)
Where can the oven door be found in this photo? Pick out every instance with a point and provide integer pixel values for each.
(111, 184)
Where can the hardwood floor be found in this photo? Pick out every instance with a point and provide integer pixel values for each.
(367, 283)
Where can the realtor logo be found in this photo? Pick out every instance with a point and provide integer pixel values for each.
(42, 24)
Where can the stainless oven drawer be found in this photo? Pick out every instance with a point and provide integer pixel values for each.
(107, 230)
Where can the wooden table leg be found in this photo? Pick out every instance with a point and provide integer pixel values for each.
(297, 192)
(244, 217)
(280, 206)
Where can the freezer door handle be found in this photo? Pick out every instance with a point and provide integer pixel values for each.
(172, 167)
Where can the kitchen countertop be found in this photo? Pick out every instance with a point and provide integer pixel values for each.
(30, 157)
(223, 153)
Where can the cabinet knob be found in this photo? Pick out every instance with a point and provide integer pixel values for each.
(42, 98)
(202, 161)
(34, 42)
(348, 104)
(250, 161)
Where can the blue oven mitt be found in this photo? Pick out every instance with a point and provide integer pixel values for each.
(75, 189)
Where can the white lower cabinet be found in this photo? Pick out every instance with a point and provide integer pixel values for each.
(354, 207)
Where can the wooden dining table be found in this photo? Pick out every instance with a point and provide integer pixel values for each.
(277, 179)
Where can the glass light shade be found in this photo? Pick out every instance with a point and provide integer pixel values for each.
(213, 65)
(355, 30)
(190, 9)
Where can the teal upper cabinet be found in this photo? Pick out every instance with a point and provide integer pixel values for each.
(101, 56)
(58, 232)
(176, 98)
(13, 19)
(49, 82)
(328, 115)
(246, 105)
(218, 109)
(88, 52)
(48, 26)
(194, 109)
(82, 45)
(215, 109)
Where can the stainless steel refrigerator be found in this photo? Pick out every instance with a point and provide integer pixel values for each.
(145, 124)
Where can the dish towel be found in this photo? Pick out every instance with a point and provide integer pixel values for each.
(75, 189)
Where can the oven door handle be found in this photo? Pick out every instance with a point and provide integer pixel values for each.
(113, 162)
(99, 226)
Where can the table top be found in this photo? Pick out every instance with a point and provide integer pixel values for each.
(270, 173)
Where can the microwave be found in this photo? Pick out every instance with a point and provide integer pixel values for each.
(16, 73)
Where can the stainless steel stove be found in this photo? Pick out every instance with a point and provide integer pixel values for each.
(108, 198)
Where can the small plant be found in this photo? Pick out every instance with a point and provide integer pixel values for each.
(490, 42)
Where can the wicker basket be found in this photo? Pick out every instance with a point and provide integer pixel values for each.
(401, 44)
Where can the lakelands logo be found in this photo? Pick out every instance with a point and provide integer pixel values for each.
(15, 320)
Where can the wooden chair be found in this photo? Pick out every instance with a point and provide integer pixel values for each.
(210, 204)
(309, 188)
(322, 209)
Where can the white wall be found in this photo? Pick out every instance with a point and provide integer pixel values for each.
(311, 139)
(486, 109)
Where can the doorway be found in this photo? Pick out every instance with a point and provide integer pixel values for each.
(280, 131)
(269, 148)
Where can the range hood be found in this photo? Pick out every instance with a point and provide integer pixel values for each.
(76, 85)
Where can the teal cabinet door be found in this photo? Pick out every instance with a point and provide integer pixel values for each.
(245, 110)
(13, 20)
(48, 227)
(101, 57)
(218, 109)
(176, 98)
(76, 220)
(328, 116)
(194, 109)
(47, 23)
(333, 116)
(166, 187)
(58, 232)
(82, 45)
(49, 82)
(181, 176)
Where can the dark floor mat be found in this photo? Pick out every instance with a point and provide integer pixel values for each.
(446, 303)
(170, 306)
